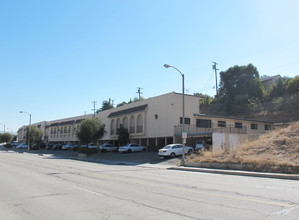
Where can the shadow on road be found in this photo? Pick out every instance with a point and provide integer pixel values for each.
(108, 158)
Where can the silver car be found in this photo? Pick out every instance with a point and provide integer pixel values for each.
(131, 148)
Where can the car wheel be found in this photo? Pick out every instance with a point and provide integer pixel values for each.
(144, 149)
(129, 151)
(189, 151)
(172, 155)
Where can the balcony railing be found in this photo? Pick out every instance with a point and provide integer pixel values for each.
(194, 130)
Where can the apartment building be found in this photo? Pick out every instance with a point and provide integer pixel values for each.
(156, 122)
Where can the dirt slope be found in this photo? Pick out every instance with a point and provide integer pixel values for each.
(277, 151)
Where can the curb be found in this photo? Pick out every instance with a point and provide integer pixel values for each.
(239, 173)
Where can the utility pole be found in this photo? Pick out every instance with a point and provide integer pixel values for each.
(214, 67)
(139, 91)
(94, 107)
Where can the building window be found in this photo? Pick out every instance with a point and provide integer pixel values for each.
(187, 121)
(267, 127)
(222, 124)
(254, 126)
(203, 123)
(238, 125)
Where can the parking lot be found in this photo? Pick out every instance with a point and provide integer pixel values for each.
(135, 158)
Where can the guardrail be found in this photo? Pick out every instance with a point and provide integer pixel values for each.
(194, 130)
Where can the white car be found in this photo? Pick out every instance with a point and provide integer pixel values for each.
(67, 147)
(131, 148)
(22, 146)
(173, 150)
(108, 147)
(91, 145)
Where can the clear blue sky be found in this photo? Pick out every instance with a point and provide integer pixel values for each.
(58, 56)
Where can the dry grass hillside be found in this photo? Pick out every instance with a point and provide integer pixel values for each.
(277, 151)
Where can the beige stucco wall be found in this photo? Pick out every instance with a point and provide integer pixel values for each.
(167, 107)
(231, 141)
(64, 137)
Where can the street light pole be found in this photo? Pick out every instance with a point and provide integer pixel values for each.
(183, 111)
(28, 129)
(4, 127)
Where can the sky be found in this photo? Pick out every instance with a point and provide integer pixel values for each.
(58, 56)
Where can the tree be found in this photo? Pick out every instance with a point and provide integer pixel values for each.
(136, 99)
(35, 135)
(106, 105)
(91, 129)
(205, 102)
(238, 85)
(293, 85)
(121, 104)
(278, 89)
(6, 137)
(123, 135)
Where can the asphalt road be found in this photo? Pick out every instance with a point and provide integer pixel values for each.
(47, 186)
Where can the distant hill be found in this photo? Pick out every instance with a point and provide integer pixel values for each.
(277, 151)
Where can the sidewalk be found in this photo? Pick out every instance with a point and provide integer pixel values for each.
(238, 172)
(121, 159)
(193, 169)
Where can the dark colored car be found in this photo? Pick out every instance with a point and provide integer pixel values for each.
(57, 147)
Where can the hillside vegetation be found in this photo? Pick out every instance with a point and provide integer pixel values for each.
(242, 94)
(277, 151)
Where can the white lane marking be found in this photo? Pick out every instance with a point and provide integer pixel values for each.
(88, 191)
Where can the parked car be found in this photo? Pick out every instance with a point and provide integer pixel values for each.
(14, 144)
(199, 145)
(50, 146)
(22, 146)
(131, 148)
(92, 145)
(57, 147)
(108, 148)
(173, 150)
(75, 147)
(67, 147)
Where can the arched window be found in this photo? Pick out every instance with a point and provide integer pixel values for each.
(117, 124)
(112, 128)
(125, 122)
(139, 123)
(132, 125)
